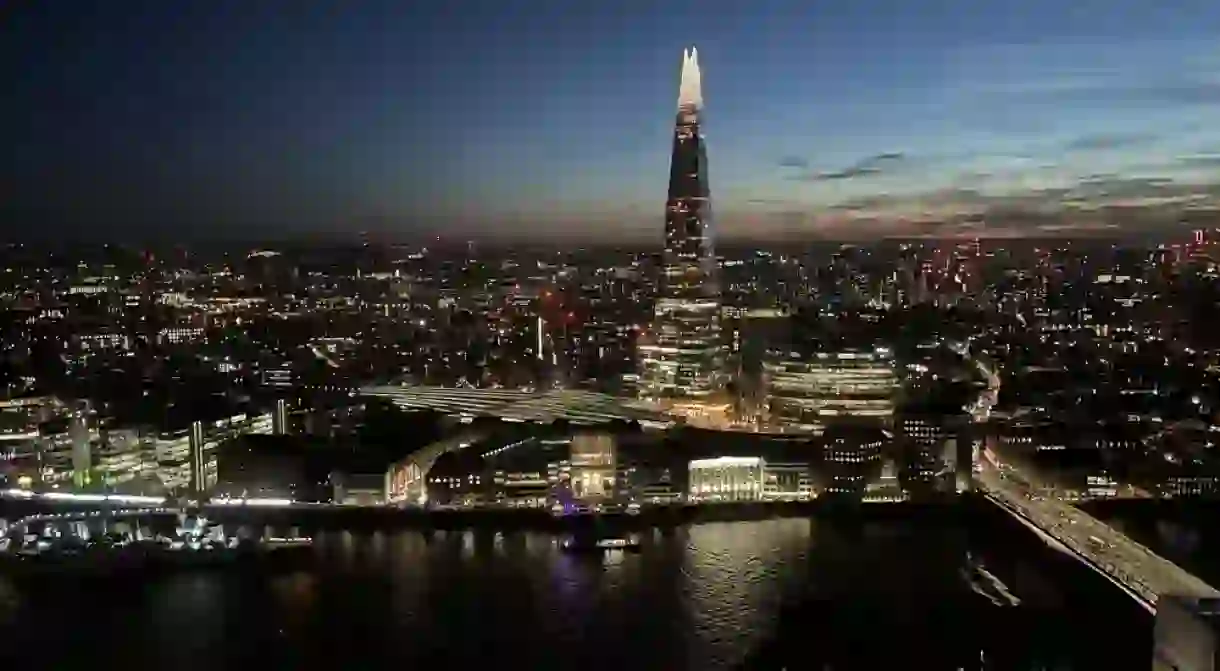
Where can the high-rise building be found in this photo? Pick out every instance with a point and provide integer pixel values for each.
(682, 356)
(82, 446)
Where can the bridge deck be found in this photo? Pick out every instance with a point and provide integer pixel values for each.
(1134, 565)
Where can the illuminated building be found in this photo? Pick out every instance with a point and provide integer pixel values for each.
(1201, 485)
(682, 356)
(931, 436)
(787, 481)
(851, 455)
(528, 473)
(82, 445)
(125, 459)
(102, 342)
(179, 335)
(592, 467)
(806, 392)
(726, 479)
(22, 441)
(47, 443)
(203, 463)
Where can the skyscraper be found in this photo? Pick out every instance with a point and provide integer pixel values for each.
(681, 357)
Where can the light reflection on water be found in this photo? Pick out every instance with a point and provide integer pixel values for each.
(700, 597)
(734, 577)
(10, 601)
(714, 588)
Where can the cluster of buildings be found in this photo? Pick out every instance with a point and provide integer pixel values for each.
(592, 470)
(570, 468)
(49, 444)
(771, 345)
(705, 364)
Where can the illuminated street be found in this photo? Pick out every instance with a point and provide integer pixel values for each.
(1139, 569)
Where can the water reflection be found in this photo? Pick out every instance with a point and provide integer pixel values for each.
(702, 597)
(10, 602)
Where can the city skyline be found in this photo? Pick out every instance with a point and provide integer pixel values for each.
(222, 119)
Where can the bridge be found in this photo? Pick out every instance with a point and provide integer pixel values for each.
(1138, 571)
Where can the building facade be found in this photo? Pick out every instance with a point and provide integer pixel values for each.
(808, 391)
(726, 479)
(592, 468)
(851, 458)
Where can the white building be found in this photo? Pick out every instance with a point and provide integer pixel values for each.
(726, 479)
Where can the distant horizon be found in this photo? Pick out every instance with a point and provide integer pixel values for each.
(318, 241)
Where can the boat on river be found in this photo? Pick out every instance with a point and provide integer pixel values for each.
(584, 544)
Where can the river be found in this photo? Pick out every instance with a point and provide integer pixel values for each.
(801, 593)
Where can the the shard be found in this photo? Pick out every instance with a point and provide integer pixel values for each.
(681, 356)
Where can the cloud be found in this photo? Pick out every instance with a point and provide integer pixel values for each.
(1184, 90)
(1082, 227)
(793, 162)
(871, 165)
(1203, 161)
(768, 201)
(1103, 141)
(972, 178)
(1187, 93)
(886, 157)
(846, 173)
(1042, 205)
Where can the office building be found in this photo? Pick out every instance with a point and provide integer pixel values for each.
(805, 392)
(851, 456)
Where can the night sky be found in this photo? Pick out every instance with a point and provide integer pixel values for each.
(200, 118)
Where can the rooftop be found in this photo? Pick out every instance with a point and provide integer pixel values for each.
(515, 405)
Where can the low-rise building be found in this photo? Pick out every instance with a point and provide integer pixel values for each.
(724, 479)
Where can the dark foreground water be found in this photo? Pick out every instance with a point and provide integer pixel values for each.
(793, 593)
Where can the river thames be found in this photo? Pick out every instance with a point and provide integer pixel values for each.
(800, 593)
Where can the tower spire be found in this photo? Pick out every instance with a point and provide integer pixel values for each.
(690, 91)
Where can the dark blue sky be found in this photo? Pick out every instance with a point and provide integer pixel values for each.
(188, 117)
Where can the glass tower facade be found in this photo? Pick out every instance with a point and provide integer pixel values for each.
(682, 355)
